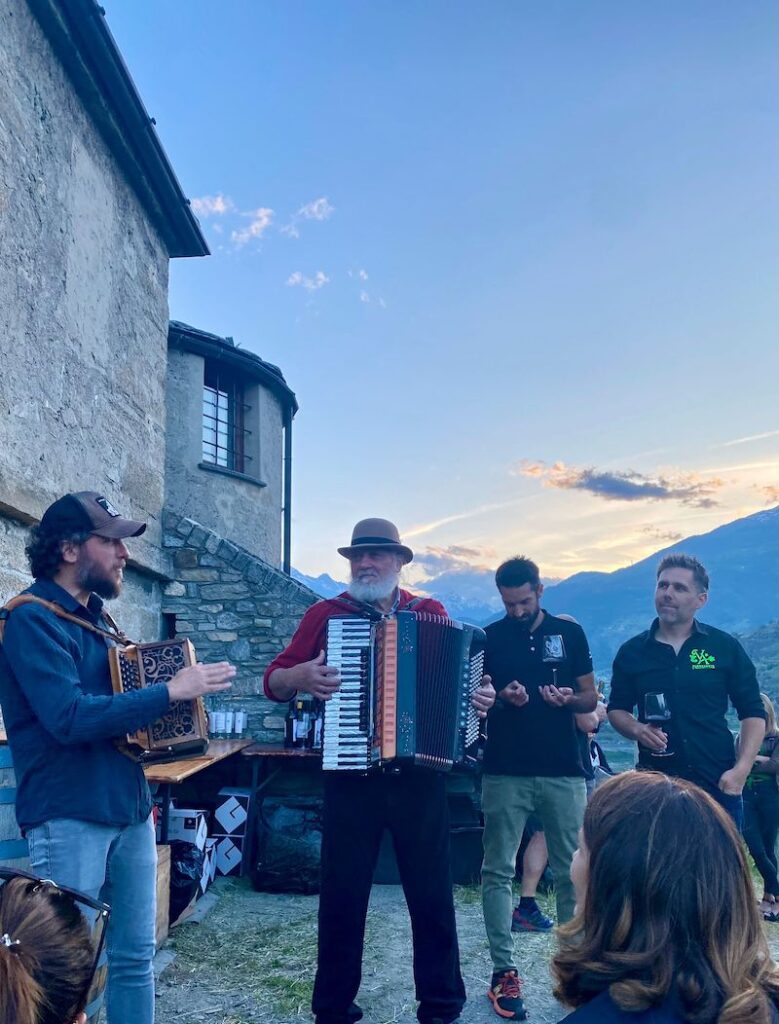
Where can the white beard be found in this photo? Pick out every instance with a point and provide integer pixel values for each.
(371, 591)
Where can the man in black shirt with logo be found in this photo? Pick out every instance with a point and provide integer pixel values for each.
(541, 668)
(696, 670)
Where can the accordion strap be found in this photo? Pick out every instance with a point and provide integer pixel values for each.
(114, 633)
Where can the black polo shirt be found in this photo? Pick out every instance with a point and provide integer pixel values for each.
(536, 739)
(61, 715)
(710, 670)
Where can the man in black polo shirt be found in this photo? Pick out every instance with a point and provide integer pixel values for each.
(697, 670)
(541, 668)
(84, 807)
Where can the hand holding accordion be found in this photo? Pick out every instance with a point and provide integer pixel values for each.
(183, 730)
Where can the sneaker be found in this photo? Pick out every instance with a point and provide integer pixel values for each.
(505, 994)
(535, 920)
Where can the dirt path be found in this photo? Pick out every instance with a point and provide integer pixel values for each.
(251, 961)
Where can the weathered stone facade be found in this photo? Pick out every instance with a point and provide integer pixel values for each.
(83, 299)
(233, 606)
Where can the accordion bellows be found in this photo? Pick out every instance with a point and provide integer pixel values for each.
(183, 730)
(405, 695)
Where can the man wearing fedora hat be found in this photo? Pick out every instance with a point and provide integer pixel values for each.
(84, 807)
(410, 803)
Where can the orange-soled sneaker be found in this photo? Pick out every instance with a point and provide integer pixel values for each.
(505, 994)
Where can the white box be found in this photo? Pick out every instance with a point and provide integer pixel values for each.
(209, 865)
(232, 813)
(187, 824)
(229, 854)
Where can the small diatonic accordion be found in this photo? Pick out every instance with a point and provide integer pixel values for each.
(183, 730)
(405, 694)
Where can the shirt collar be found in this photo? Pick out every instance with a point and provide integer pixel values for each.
(54, 592)
(697, 627)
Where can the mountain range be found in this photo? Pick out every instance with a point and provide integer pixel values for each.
(742, 558)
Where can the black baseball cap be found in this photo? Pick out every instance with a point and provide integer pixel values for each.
(88, 512)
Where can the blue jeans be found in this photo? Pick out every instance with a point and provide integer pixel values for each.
(119, 866)
(734, 805)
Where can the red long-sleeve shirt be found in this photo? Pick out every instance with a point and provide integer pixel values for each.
(309, 638)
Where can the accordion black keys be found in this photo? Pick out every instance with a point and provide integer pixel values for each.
(405, 694)
(183, 729)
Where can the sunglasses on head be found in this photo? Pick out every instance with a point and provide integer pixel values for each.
(95, 914)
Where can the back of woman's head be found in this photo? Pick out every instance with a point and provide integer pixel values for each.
(46, 955)
(669, 907)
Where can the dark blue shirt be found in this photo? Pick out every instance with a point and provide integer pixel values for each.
(603, 1010)
(62, 717)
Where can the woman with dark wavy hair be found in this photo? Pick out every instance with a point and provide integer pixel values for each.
(667, 928)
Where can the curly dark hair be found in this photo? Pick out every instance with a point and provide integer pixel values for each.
(44, 550)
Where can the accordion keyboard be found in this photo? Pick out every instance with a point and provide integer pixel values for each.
(347, 734)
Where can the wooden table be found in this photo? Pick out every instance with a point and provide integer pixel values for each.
(267, 761)
(167, 775)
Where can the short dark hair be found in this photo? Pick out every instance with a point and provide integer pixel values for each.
(44, 550)
(681, 561)
(516, 572)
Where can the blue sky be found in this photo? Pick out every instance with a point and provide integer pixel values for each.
(517, 259)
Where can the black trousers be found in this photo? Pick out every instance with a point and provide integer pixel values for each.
(761, 826)
(412, 806)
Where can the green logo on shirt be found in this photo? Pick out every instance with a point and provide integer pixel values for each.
(701, 659)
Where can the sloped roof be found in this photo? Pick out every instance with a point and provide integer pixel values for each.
(211, 346)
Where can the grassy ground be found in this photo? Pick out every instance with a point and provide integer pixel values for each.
(251, 961)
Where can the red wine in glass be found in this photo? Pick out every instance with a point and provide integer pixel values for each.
(657, 713)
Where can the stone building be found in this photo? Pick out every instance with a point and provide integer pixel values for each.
(98, 391)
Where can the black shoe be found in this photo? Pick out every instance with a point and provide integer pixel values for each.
(352, 1015)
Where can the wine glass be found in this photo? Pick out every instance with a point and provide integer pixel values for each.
(657, 713)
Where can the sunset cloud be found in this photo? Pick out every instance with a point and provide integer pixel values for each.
(624, 485)
(657, 534)
(752, 437)
(455, 558)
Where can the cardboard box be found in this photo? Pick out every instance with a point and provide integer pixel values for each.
(232, 812)
(209, 865)
(229, 854)
(187, 824)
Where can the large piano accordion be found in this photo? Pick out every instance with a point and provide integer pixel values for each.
(405, 694)
(183, 729)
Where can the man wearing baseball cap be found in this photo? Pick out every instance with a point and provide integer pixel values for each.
(84, 807)
(410, 803)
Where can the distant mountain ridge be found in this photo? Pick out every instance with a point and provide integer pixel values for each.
(742, 558)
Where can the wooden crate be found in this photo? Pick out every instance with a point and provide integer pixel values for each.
(163, 894)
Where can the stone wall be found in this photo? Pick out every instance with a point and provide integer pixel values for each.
(235, 607)
(83, 301)
(248, 509)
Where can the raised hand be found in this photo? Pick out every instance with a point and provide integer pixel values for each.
(200, 680)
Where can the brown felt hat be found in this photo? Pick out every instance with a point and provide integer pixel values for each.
(376, 533)
(88, 512)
